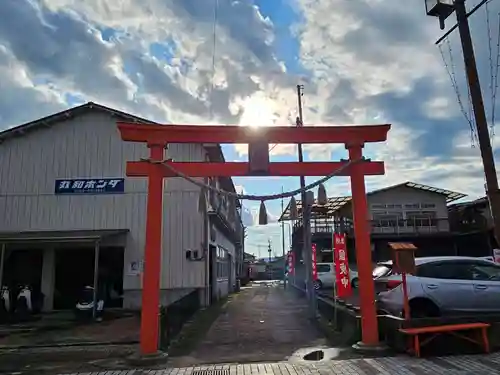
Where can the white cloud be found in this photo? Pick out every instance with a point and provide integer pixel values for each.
(362, 62)
(440, 107)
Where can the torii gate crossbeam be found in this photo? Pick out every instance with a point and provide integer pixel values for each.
(157, 138)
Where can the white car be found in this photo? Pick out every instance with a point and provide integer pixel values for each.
(442, 286)
(326, 276)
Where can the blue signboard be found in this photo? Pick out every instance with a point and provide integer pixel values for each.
(90, 186)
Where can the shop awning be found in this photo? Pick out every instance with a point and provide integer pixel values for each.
(80, 236)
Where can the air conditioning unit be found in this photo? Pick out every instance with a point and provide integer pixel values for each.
(194, 255)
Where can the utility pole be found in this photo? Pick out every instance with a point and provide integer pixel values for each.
(269, 250)
(306, 221)
(490, 173)
(283, 239)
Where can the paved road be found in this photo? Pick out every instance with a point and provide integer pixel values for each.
(261, 323)
(457, 365)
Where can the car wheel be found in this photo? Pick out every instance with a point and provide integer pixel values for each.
(317, 284)
(423, 308)
(355, 283)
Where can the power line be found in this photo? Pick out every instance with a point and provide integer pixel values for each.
(492, 189)
(490, 50)
(450, 69)
(495, 80)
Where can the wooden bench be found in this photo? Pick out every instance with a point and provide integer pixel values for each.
(451, 329)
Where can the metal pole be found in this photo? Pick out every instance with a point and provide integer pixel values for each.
(306, 218)
(283, 240)
(269, 259)
(307, 206)
(96, 278)
(335, 306)
(207, 255)
(2, 262)
(479, 115)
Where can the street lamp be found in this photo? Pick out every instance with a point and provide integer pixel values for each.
(441, 9)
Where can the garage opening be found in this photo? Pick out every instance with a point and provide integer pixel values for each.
(57, 265)
(75, 270)
(24, 267)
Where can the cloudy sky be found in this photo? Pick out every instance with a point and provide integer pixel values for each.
(360, 61)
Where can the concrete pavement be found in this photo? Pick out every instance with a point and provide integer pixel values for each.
(262, 323)
(457, 365)
(262, 330)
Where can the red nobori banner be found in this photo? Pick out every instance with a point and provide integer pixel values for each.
(342, 277)
(314, 261)
(291, 263)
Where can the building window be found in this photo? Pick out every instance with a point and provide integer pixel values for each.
(394, 206)
(379, 206)
(412, 205)
(421, 218)
(222, 263)
(387, 219)
(427, 205)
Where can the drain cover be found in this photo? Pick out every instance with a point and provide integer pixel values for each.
(316, 355)
(210, 372)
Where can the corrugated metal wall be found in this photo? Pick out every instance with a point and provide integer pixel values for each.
(223, 287)
(89, 146)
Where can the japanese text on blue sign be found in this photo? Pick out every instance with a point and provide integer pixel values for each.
(90, 186)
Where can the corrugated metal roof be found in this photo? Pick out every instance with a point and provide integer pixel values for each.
(67, 114)
(335, 203)
(461, 206)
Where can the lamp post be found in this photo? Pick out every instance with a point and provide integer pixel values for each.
(441, 9)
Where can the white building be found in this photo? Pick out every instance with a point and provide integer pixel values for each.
(402, 209)
(50, 222)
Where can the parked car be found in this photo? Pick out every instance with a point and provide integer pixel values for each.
(382, 269)
(441, 286)
(326, 276)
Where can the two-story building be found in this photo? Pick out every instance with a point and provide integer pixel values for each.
(70, 216)
(471, 216)
(407, 212)
(473, 224)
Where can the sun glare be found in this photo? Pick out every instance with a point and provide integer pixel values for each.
(258, 112)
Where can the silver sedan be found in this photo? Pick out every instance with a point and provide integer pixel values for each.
(441, 286)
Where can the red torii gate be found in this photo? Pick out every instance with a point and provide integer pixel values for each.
(157, 137)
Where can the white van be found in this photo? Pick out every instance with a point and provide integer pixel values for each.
(326, 276)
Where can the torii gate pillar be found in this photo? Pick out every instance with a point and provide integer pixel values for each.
(370, 336)
(150, 322)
